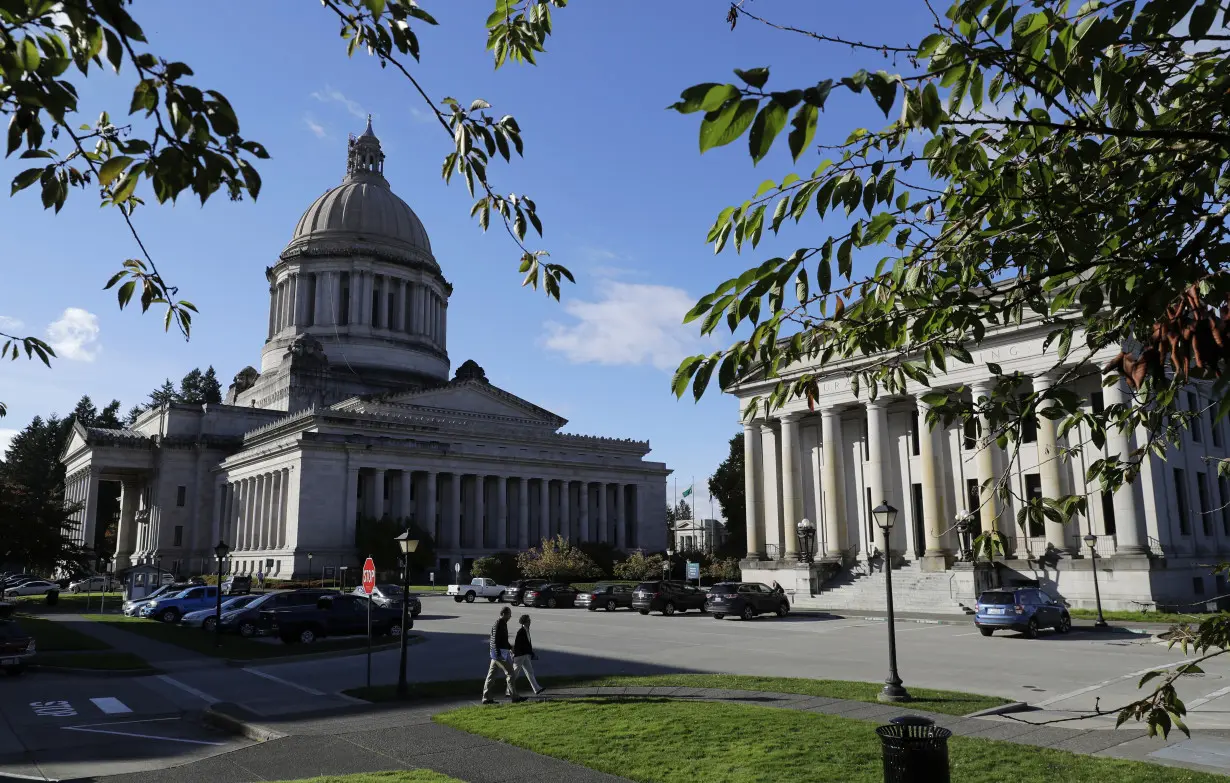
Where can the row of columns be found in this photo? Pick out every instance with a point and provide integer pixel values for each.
(762, 477)
(302, 299)
(81, 489)
(253, 514)
(484, 511)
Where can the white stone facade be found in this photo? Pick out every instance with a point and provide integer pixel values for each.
(834, 464)
(351, 415)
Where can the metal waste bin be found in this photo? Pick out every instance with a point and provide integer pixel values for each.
(915, 750)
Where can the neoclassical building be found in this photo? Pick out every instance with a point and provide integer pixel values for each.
(1155, 540)
(352, 414)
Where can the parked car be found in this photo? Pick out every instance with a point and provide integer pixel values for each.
(1023, 609)
(552, 595)
(206, 618)
(245, 620)
(133, 607)
(32, 587)
(389, 596)
(516, 591)
(237, 584)
(607, 596)
(170, 608)
(92, 584)
(16, 647)
(18, 579)
(477, 588)
(746, 600)
(667, 596)
(331, 615)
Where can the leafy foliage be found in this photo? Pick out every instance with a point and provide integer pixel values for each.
(639, 567)
(557, 559)
(727, 485)
(724, 569)
(501, 566)
(1044, 164)
(376, 538)
(195, 388)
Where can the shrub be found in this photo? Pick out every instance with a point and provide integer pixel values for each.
(638, 568)
(502, 567)
(558, 560)
(724, 570)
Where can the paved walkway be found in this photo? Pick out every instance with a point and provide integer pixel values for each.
(371, 738)
(160, 655)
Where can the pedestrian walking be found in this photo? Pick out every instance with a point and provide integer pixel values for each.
(523, 653)
(501, 659)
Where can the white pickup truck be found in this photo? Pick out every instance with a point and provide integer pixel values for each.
(477, 588)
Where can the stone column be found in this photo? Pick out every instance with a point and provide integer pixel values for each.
(260, 510)
(273, 310)
(988, 500)
(91, 508)
(603, 527)
(233, 511)
(282, 522)
(544, 508)
(1130, 534)
(621, 517)
(501, 512)
(753, 484)
(523, 513)
(770, 473)
(1048, 468)
(376, 506)
(583, 529)
(400, 324)
(403, 496)
(351, 507)
(877, 453)
(479, 512)
(429, 507)
(443, 324)
(832, 483)
(356, 297)
(565, 513)
(125, 532)
(792, 484)
(454, 510)
(935, 557)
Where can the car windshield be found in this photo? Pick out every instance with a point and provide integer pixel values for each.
(998, 598)
(238, 603)
(389, 589)
(261, 600)
(160, 592)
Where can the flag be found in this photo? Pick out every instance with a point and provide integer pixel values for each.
(687, 492)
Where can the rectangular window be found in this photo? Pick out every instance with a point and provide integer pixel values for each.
(1223, 490)
(1029, 430)
(920, 534)
(1096, 402)
(914, 432)
(1033, 490)
(969, 434)
(1198, 585)
(974, 503)
(1202, 493)
(343, 317)
(311, 297)
(386, 490)
(1180, 494)
(392, 311)
(179, 535)
(1193, 405)
(867, 513)
(1219, 584)
(376, 307)
(1108, 513)
(181, 496)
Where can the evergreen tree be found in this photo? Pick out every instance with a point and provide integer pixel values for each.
(190, 387)
(211, 387)
(133, 413)
(163, 394)
(109, 417)
(726, 485)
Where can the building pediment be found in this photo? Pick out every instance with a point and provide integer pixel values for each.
(462, 398)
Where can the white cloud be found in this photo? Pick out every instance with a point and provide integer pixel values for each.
(10, 325)
(330, 95)
(315, 127)
(74, 335)
(633, 324)
(6, 437)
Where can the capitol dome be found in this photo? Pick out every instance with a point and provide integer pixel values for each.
(362, 214)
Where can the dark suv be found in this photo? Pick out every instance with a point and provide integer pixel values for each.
(517, 590)
(1024, 609)
(746, 600)
(667, 597)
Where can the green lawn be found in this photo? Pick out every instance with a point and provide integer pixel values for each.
(947, 702)
(403, 776)
(109, 660)
(1140, 617)
(60, 644)
(69, 603)
(682, 742)
(233, 647)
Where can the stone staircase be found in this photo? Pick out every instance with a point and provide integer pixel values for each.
(914, 590)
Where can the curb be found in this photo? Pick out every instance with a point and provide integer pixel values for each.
(231, 718)
(323, 655)
(98, 673)
(1003, 709)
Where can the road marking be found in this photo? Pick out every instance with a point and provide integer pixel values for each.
(111, 705)
(88, 729)
(186, 688)
(1194, 703)
(288, 683)
(1103, 684)
(53, 709)
(971, 633)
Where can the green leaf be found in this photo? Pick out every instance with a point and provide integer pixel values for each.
(704, 97)
(756, 77)
(769, 122)
(375, 6)
(721, 127)
(683, 375)
(932, 110)
(883, 88)
(27, 55)
(804, 129)
(112, 168)
(28, 177)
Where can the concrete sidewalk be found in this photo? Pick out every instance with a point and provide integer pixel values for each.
(160, 655)
(1078, 623)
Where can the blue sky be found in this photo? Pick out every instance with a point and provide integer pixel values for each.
(625, 197)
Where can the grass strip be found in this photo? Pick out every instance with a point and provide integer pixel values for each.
(683, 742)
(111, 660)
(946, 702)
(400, 776)
(1124, 616)
(58, 636)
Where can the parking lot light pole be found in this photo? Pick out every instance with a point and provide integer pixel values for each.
(670, 563)
(884, 516)
(309, 581)
(407, 546)
(102, 597)
(220, 552)
(1091, 541)
(807, 534)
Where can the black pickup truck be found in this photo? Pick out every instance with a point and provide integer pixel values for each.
(331, 615)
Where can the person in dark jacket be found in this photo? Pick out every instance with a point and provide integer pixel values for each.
(523, 653)
(501, 659)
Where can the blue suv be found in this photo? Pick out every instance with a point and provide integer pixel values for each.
(1024, 609)
(170, 608)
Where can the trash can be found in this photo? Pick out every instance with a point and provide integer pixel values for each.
(915, 750)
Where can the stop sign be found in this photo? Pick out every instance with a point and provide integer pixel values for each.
(369, 576)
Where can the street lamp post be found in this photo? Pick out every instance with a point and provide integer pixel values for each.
(807, 533)
(885, 515)
(407, 546)
(220, 552)
(310, 570)
(1091, 541)
(670, 562)
(102, 598)
(158, 566)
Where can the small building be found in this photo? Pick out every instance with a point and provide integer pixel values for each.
(700, 535)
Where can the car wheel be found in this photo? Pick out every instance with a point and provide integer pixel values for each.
(169, 616)
(783, 609)
(500, 598)
(456, 599)
(470, 596)
(552, 603)
(986, 631)
(611, 605)
(669, 609)
(592, 608)
(247, 630)
(209, 623)
(395, 629)
(492, 599)
(417, 612)
(1031, 629)
(515, 602)
(307, 636)
(1065, 624)
(718, 615)
(643, 611)
(748, 613)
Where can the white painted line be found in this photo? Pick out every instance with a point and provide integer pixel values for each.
(1104, 683)
(143, 736)
(1194, 703)
(186, 688)
(971, 633)
(24, 777)
(111, 705)
(125, 722)
(288, 683)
